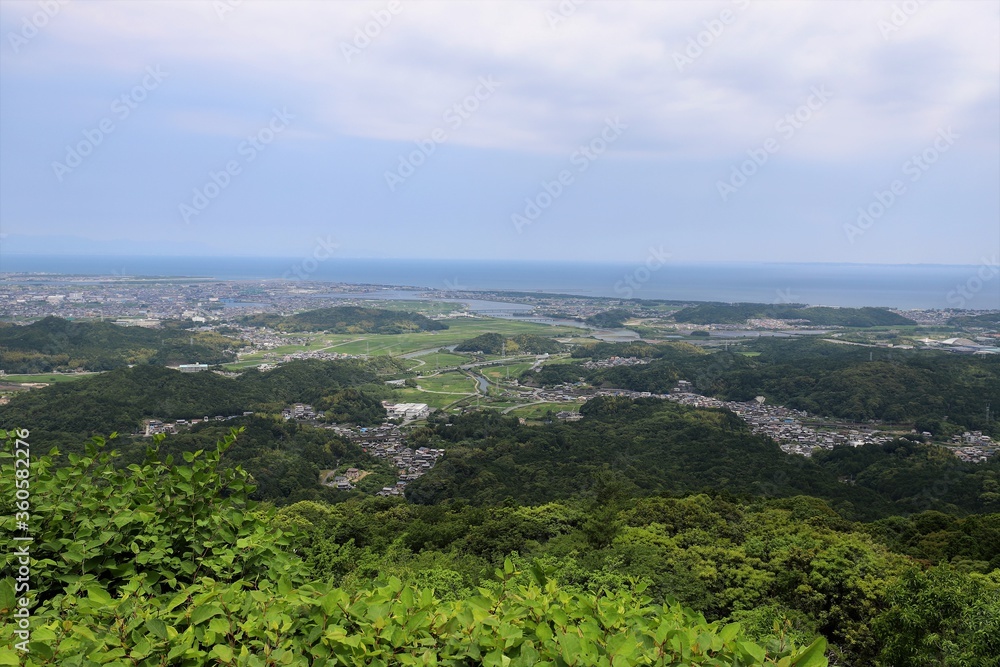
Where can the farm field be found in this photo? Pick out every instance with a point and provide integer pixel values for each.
(496, 373)
(399, 344)
(453, 383)
(45, 377)
(434, 360)
(538, 410)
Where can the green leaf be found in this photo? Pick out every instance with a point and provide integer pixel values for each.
(203, 613)
(8, 657)
(813, 655)
(98, 595)
(41, 649)
(6, 597)
(222, 652)
(753, 651)
(729, 632)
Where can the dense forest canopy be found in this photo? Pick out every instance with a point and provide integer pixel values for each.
(646, 446)
(943, 392)
(183, 565)
(609, 319)
(493, 343)
(119, 400)
(55, 344)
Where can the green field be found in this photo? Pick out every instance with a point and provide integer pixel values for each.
(45, 377)
(397, 344)
(566, 359)
(438, 360)
(453, 383)
(497, 373)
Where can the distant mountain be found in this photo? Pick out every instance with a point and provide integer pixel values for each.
(121, 399)
(986, 320)
(348, 319)
(738, 313)
(55, 344)
(643, 446)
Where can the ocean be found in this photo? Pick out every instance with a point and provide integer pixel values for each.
(910, 286)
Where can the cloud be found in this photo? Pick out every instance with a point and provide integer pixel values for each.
(892, 88)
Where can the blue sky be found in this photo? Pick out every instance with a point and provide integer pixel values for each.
(727, 131)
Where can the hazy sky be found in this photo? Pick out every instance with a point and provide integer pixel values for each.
(741, 130)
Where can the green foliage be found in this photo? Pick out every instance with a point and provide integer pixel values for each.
(156, 527)
(283, 458)
(609, 319)
(649, 445)
(969, 543)
(918, 477)
(793, 562)
(828, 379)
(55, 344)
(494, 343)
(120, 399)
(168, 564)
(352, 406)
(984, 320)
(391, 623)
(550, 375)
(348, 320)
(941, 617)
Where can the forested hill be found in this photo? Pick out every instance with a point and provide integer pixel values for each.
(629, 447)
(937, 391)
(55, 344)
(738, 313)
(494, 343)
(120, 399)
(348, 319)
(641, 446)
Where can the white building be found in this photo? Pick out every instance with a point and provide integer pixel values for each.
(406, 410)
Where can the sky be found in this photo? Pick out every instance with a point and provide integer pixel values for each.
(739, 130)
